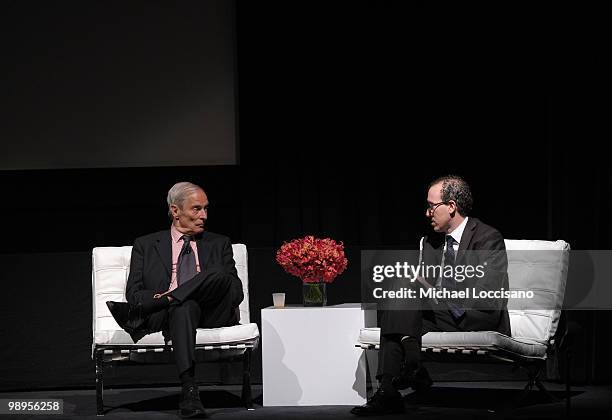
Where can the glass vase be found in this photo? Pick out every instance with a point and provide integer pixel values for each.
(314, 294)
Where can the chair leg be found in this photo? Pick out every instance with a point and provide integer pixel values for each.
(526, 390)
(543, 389)
(369, 383)
(567, 382)
(99, 382)
(534, 372)
(247, 397)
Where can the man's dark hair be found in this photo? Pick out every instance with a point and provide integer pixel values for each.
(455, 188)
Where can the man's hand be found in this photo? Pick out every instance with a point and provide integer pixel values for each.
(160, 295)
(426, 285)
(424, 282)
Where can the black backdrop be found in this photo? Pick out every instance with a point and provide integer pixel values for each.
(346, 111)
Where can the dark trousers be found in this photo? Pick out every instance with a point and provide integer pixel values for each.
(397, 324)
(209, 300)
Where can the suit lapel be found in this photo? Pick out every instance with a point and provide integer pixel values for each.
(203, 245)
(164, 250)
(466, 238)
(433, 253)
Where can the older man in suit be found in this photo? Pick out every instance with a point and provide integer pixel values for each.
(457, 239)
(181, 279)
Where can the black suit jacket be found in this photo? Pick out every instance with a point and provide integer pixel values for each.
(151, 266)
(489, 249)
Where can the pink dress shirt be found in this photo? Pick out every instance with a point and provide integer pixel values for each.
(177, 245)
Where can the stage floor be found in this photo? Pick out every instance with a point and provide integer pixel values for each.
(460, 399)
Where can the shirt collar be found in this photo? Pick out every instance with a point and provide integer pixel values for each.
(176, 235)
(458, 232)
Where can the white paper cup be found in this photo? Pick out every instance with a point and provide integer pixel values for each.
(279, 300)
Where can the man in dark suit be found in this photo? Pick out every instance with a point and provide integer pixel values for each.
(181, 279)
(458, 240)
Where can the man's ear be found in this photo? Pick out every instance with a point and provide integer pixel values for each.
(174, 210)
(452, 207)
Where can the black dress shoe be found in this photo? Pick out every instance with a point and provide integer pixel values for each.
(418, 379)
(190, 405)
(382, 402)
(129, 318)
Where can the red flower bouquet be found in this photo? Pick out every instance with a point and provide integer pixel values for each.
(313, 260)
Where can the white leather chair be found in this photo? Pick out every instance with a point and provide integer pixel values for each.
(111, 344)
(534, 331)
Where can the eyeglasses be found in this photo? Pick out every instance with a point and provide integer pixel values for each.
(432, 207)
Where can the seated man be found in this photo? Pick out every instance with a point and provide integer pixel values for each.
(181, 279)
(449, 201)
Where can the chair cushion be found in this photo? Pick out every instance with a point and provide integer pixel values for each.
(369, 336)
(224, 335)
(541, 266)
(485, 339)
(491, 340)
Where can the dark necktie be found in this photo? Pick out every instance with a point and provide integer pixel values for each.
(449, 254)
(449, 282)
(186, 266)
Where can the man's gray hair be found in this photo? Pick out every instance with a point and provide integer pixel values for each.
(455, 188)
(179, 193)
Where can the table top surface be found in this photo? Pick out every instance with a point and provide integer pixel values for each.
(301, 307)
